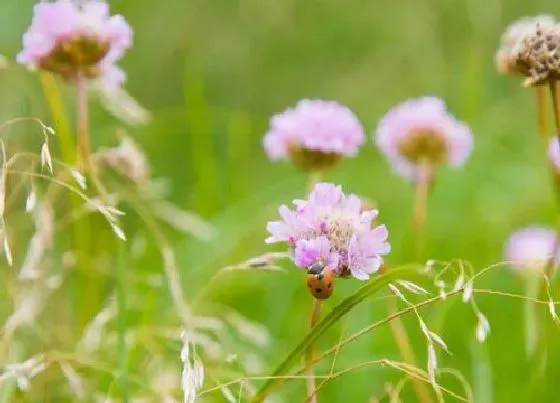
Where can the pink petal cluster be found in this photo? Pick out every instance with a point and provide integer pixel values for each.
(427, 114)
(315, 125)
(62, 20)
(332, 226)
(530, 248)
(554, 153)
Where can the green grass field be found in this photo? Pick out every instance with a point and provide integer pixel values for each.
(211, 73)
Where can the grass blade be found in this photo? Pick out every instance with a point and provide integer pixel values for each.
(370, 288)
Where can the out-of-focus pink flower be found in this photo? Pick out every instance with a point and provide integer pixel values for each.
(314, 134)
(531, 248)
(73, 38)
(332, 226)
(554, 153)
(422, 131)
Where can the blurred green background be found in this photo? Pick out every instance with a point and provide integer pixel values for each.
(212, 72)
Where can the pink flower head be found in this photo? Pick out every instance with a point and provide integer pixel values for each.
(554, 153)
(314, 134)
(70, 38)
(531, 248)
(422, 131)
(332, 226)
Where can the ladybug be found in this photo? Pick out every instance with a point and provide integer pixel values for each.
(320, 279)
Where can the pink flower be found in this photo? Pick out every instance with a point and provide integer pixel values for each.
(531, 248)
(422, 131)
(332, 226)
(308, 251)
(313, 127)
(69, 38)
(554, 153)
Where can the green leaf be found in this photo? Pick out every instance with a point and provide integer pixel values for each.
(363, 293)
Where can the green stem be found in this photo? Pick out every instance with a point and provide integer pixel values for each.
(59, 117)
(121, 307)
(65, 135)
(420, 207)
(553, 87)
(311, 388)
(82, 121)
(314, 178)
(541, 112)
(418, 225)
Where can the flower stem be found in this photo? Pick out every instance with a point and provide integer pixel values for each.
(313, 178)
(84, 148)
(553, 87)
(311, 389)
(420, 207)
(541, 111)
(59, 117)
(418, 224)
(82, 122)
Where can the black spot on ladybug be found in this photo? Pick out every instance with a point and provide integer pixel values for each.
(329, 285)
(318, 290)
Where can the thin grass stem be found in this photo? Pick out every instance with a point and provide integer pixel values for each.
(406, 351)
(315, 317)
(405, 311)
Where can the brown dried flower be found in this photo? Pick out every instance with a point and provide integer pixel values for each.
(530, 47)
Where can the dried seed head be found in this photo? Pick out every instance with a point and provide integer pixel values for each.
(482, 328)
(530, 47)
(192, 376)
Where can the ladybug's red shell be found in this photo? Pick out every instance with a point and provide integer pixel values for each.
(321, 285)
